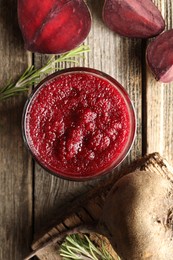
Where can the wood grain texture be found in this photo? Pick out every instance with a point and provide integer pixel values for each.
(119, 57)
(159, 105)
(15, 168)
(24, 210)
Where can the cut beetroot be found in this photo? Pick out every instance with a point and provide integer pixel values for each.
(159, 57)
(133, 18)
(53, 26)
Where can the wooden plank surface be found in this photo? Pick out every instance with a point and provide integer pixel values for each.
(15, 165)
(159, 102)
(30, 197)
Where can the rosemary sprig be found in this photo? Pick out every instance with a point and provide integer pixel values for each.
(33, 76)
(76, 247)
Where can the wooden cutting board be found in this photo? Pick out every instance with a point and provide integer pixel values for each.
(87, 209)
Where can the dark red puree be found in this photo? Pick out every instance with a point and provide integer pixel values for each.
(78, 124)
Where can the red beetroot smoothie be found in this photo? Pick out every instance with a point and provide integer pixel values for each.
(79, 123)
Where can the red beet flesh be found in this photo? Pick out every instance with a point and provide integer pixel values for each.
(160, 57)
(53, 26)
(133, 18)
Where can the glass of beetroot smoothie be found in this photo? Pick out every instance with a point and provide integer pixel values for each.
(79, 123)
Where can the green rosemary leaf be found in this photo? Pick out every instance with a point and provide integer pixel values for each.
(33, 76)
(77, 247)
(5, 88)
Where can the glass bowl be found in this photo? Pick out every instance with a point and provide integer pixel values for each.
(79, 123)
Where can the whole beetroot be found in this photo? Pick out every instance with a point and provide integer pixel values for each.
(137, 218)
(133, 18)
(53, 26)
(159, 57)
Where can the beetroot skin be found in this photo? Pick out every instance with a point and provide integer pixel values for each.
(133, 18)
(53, 26)
(159, 57)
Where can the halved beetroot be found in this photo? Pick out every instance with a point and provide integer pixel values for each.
(159, 56)
(133, 18)
(53, 26)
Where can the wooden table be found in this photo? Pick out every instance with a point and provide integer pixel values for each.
(30, 197)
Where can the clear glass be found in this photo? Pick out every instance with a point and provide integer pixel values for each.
(49, 81)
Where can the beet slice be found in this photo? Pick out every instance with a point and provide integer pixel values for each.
(133, 18)
(53, 26)
(159, 57)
